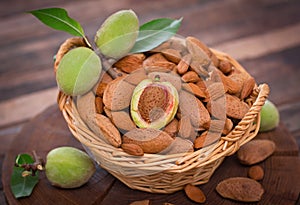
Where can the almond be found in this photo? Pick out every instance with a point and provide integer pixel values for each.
(122, 120)
(132, 149)
(206, 138)
(184, 64)
(172, 128)
(192, 107)
(150, 140)
(256, 172)
(255, 151)
(235, 108)
(190, 77)
(227, 127)
(136, 76)
(100, 89)
(106, 130)
(225, 66)
(130, 63)
(157, 62)
(204, 47)
(185, 128)
(240, 189)
(194, 89)
(194, 193)
(248, 87)
(117, 94)
(99, 105)
(172, 55)
(179, 145)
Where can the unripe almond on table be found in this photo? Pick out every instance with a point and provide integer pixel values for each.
(68, 167)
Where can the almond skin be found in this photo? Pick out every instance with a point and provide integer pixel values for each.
(235, 108)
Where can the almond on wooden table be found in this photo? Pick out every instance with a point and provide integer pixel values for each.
(194, 193)
(240, 189)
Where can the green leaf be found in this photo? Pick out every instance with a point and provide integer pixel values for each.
(24, 159)
(57, 18)
(22, 186)
(155, 32)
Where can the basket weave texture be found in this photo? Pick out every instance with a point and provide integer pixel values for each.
(165, 173)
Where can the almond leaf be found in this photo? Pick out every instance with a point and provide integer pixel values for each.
(57, 18)
(155, 32)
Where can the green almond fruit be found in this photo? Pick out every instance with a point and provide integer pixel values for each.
(269, 116)
(68, 167)
(78, 71)
(118, 34)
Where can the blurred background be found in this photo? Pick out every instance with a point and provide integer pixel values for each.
(263, 35)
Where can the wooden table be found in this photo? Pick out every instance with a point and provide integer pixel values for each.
(262, 35)
(48, 130)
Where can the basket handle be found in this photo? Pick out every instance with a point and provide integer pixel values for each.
(260, 93)
(69, 44)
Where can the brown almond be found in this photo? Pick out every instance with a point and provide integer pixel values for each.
(192, 107)
(185, 127)
(122, 120)
(184, 64)
(172, 55)
(248, 87)
(225, 66)
(132, 149)
(194, 193)
(205, 139)
(217, 108)
(100, 89)
(240, 189)
(99, 105)
(104, 127)
(106, 78)
(150, 140)
(190, 77)
(130, 63)
(117, 94)
(255, 151)
(227, 127)
(235, 108)
(172, 128)
(179, 145)
(157, 62)
(256, 172)
(194, 89)
(136, 76)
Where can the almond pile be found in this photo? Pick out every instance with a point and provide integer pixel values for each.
(211, 93)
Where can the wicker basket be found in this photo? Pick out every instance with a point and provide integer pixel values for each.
(164, 173)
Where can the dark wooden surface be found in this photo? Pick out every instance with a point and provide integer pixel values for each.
(48, 130)
(263, 35)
